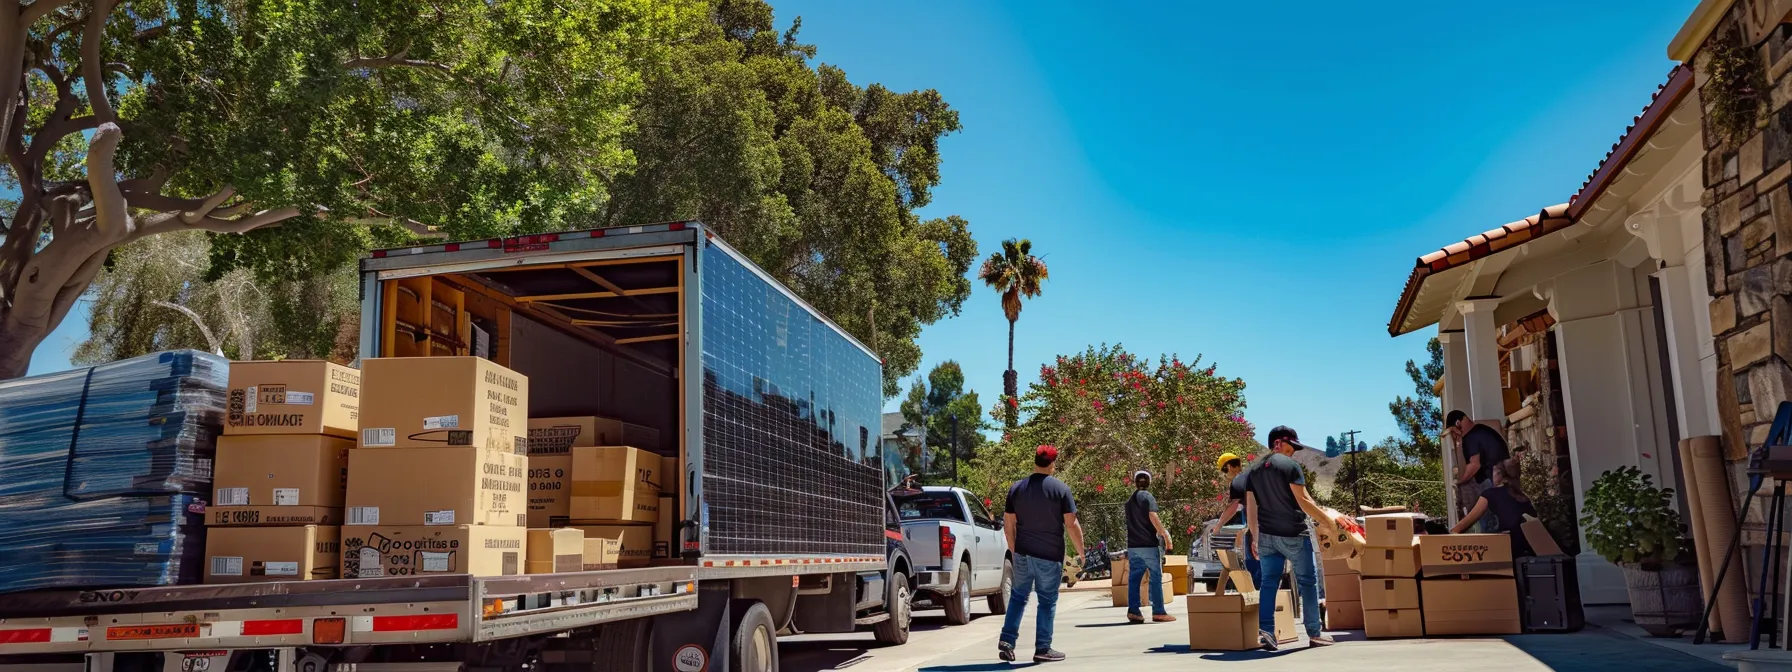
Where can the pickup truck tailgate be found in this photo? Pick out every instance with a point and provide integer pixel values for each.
(922, 539)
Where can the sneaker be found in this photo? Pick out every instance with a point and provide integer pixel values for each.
(1047, 656)
(1163, 618)
(1135, 618)
(1320, 640)
(1006, 651)
(1268, 640)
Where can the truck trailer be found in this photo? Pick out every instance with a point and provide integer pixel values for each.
(779, 513)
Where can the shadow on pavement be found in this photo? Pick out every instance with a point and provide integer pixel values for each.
(1225, 656)
(1596, 649)
(980, 667)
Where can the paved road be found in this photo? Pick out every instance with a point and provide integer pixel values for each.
(1095, 637)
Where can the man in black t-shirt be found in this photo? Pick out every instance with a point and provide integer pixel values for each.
(1039, 511)
(1276, 504)
(1234, 468)
(1482, 449)
(1144, 557)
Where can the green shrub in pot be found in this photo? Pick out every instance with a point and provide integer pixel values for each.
(1629, 521)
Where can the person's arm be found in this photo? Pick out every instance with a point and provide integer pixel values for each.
(1473, 516)
(1161, 532)
(1076, 531)
(1250, 514)
(1469, 470)
(1232, 507)
(1009, 529)
(1305, 499)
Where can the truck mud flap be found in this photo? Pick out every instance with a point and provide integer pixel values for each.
(697, 639)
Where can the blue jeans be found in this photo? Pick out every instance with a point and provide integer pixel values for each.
(1033, 575)
(1276, 552)
(1251, 563)
(1139, 563)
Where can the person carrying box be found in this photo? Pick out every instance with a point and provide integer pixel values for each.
(1276, 506)
(1144, 555)
(1233, 467)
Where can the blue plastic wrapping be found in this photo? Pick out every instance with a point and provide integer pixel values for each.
(103, 471)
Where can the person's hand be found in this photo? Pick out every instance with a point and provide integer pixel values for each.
(1167, 543)
(1344, 522)
(1254, 552)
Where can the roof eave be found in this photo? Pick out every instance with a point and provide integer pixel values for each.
(1698, 26)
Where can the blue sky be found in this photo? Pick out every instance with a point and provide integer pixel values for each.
(1245, 181)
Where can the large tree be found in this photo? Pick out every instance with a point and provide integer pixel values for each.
(1016, 275)
(325, 120)
(940, 404)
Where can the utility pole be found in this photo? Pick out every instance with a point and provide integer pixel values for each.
(954, 417)
(1356, 469)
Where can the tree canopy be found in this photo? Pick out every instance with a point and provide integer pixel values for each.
(932, 403)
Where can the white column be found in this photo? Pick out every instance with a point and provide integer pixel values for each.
(1455, 397)
(1693, 395)
(1485, 400)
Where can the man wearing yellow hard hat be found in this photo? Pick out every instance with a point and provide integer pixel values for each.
(1233, 467)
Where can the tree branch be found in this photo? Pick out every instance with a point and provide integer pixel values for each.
(109, 207)
(397, 61)
(93, 68)
(173, 221)
(152, 32)
(77, 284)
(40, 9)
(217, 347)
(211, 203)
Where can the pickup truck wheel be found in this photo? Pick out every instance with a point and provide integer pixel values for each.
(958, 604)
(755, 640)
(998, 602)
(894, 632)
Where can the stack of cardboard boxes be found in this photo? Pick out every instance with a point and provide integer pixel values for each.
(555, 445)
(1389, 565)
(1469, 586)
(1343, 596)
(616, 496)
(279, 475)
(1176, 569)
(1120, 585)
(439, 482)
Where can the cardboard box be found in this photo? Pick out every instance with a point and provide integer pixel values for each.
(253, 554)
(261, 478)
(615, 484)
(558, 436)
(636, 541)
(1225, 622)
(1344, 587)
(410, 550)
(1390, 530)
(601, 554)
(1466, 554)
(1475, 606)
(433, 402)
(1117, 571)
(293, 397)
(1390, 594)
(1285, 631)
(1393, 563)
(1343, 614)
(437, 487)
(553, 551)
(1395, 623)
(1337, 567)
(550, 490)
(1542, 542)
(662, 530)
(1118, 593)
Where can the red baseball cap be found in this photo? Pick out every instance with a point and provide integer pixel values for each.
(1050, 452)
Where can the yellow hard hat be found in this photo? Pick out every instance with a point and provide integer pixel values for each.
(1224, 458)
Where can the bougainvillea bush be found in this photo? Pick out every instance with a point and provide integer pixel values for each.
(1110, 413)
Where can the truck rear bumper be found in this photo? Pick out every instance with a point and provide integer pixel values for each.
(936, 582)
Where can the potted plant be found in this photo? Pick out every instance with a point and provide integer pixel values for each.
(1631, 523)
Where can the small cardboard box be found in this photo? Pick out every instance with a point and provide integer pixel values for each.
(550, 490)
(554, 551)
(1474, 606)
(1390, 530)
(601, 554)
(266, 479)
(1343, 614)
(1337, 542)
(293, 397)
(1392, 563)
(636, 542)
(1285, 631)
(1337, 567)
(1466, 554)
(432, 402)
(662, 530)
(1225, 622)
(1390, 594)
(1542, 542)
(1117, 571)
(411, 550)
(1393, 624)
(437, 487)
(1118, 593)
(558, 436)
(253, 554)
(615, 484)
(1344, 587)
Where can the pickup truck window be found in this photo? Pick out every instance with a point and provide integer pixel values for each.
(981, 514)
(919, 505)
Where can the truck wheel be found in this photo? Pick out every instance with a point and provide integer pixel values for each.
(958, 605)
(894, 632)
(998, 603)
(755, 646)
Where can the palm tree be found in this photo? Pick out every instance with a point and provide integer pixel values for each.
(1017, 274)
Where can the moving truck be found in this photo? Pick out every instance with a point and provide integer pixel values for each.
(766, 413)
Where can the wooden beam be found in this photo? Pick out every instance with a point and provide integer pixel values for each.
(606, 284)
(553, 318)
(597, 295)
(645, 339)
(623, 323)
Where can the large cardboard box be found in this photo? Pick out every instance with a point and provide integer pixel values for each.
(1474, 606)
(1343, 614)
(552, 551)
(279, 479)
(1393, 624)
(636, 541)
(1466, 554)
(1390, 530)
(1117, 571)
(558, 436)
(602, 554)
(411, 550)
(1393, 563)
(293, 397)
(615, 484)
(550, 490)
(1176, 567)
(432, 402)
(437, 487)
(1340, 566)
(1390, 594)
(1118, 593)
(1226, 622)
(1344, 587)
(253, 554)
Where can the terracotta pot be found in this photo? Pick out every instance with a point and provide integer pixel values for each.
(1664, 601)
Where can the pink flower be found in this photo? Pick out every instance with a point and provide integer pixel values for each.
(1160, 404)
(1099, 487)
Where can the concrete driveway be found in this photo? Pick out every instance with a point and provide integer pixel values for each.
(1095, 637)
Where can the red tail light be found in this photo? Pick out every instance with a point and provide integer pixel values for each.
(948, 543)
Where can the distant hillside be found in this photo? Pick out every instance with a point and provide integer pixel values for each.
(1325, 468)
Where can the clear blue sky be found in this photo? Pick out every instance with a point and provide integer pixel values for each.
(1249, 182)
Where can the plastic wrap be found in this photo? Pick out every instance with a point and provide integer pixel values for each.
(102, 472)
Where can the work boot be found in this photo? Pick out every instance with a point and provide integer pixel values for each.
(1268, 640)
(1320, 640)
(1163, 618)
(1006, 651)
(1135, 618)
(1048, 656)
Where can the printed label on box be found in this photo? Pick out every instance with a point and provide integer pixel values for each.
(232, 497)
(227, 566)
(379, 436)
(281, 568)
(286, 496)
(249, 399)
(442, 422)
(437, 561)
(444, 517)
(363, 515)
(370, 563)
(299, 398)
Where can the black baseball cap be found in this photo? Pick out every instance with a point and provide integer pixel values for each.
(1286, 432)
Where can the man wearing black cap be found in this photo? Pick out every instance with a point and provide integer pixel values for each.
(1276, 506)
(1039, 511)
(1146, 541)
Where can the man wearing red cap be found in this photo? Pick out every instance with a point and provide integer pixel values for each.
(1039, 511)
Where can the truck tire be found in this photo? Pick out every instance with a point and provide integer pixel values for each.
(958, 604)
(755, 641)
(998, 602)
(622, 645)
(894, 632)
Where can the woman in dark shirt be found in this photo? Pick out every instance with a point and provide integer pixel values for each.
(1508, 505)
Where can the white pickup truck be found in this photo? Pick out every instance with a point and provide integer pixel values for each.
(958, 549)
